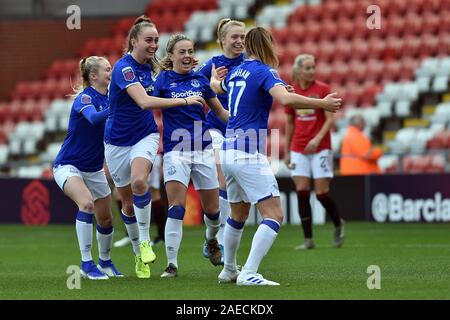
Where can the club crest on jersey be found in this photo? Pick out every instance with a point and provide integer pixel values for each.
(305, 112)
(195, 83)
(85, 99)
(128, 73)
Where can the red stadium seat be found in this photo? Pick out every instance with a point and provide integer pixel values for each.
(3, 136)
(433, 5)
(281, 35)
(123, 26)
(374, 70)
(330, 10)
(325, 52)
(359, 49)
(431, 22)
(395, 25)
(296, 32)
(340, 72)
(343, 50)
(49, 87)
(357, 70)
(353, 94)
(444, 20)
(398, 7)
(429, 45)
(3, 111)
(371, 89)
(413, 24)
(391, 71)
(293, 49)
(345, 27)
(411, 46)
(409, 66)
(347, 9)
(311, 31)
(299, 15)
(376, 47)
(444, 44)
(55, 70)
(281, 54)
(393, 48)
(314, 14)
(328, 30)
(360, 29)
(310, 48)
(437, 164)
(285, 73)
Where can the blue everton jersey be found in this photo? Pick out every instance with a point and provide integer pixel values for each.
(127, 122)
(248, 88)
(184, 127)
(83, 145)
(219, 61)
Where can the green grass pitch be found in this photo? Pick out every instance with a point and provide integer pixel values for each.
(414, 260)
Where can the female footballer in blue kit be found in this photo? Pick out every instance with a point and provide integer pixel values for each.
(187, 148)
(251, 89)
(78, 168)
(132, 136)
(230, 36)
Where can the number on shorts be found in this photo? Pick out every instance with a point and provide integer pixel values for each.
(323, 162)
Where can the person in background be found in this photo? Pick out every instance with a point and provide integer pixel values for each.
(358, 157)
(308, 151)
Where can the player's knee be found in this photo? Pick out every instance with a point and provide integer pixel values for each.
(87, 205)
(211, 208)
(177, 202)
(139, 186)
(127, 206)
(321, 191)
(105, 222)
(278, 217)
(303, 190)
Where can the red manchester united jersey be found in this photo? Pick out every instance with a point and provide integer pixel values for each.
(308, 122)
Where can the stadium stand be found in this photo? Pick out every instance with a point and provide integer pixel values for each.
(397, 77)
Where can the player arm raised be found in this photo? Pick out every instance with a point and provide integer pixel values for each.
(217, 79)
(330, 103)
(138, 94)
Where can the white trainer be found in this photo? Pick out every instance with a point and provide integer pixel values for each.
(122, 242)
(227, 276)
(254, 279)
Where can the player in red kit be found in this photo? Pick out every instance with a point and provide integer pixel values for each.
(308, 151)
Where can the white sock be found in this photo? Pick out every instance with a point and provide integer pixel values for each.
(262, 242)
(212, 222)
(173, 233)
(133, 232)
(83, 226)
(232, 238)
(224, 214)
(142, 209)
(104, 239)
